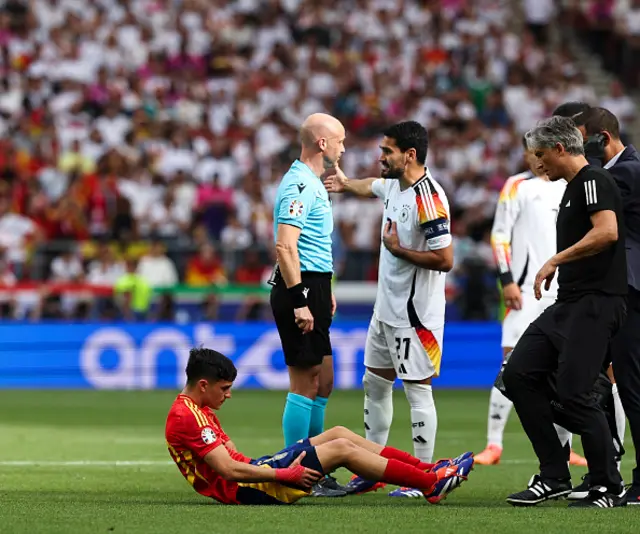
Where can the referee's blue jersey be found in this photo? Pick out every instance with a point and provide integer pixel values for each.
(303, 201)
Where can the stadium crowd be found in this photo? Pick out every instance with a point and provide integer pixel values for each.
(149, 136)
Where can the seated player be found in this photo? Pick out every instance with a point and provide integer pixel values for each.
(210, 462)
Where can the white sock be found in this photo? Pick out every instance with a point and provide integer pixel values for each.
(424, 419)
(564, 436)
(621, 419)
(499, 408)
(378, 407)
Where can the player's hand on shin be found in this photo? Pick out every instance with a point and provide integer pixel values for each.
(546, 275)
(334, 180)
(298, 474)
(304, 319)
(512, 296)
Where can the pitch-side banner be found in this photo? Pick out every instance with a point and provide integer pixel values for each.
(141, 356)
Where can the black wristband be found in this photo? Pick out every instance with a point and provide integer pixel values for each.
(506, 278)
(298, 296)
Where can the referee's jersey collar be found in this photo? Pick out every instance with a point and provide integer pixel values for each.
(303, 167)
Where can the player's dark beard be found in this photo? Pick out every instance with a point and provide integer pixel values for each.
(392, 172)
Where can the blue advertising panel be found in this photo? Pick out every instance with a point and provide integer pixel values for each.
(149, 356)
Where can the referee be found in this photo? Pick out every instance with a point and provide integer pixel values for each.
(301, 298)
(571, 338)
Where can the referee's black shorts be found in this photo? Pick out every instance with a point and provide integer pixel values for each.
(304, 350)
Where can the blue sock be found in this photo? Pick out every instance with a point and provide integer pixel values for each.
(296, 418)
(317, 416)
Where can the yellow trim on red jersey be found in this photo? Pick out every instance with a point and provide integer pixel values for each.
(201, 418)
(186, 462)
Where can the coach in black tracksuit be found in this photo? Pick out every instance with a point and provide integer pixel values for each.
(571, 338)
(601, 132)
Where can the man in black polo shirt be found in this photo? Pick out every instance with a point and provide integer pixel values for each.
(570, 340)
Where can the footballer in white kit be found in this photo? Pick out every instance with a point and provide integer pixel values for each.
(405, 335)
(407, 326)
(523, 237)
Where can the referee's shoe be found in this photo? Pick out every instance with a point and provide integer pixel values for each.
(540, 490)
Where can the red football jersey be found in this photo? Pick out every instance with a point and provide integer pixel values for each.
(191, 433)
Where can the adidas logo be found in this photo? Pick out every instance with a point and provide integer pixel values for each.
(604, 502)
(539, 488)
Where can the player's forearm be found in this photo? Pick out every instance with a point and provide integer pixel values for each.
(289, 263)
(434, 260)
(241, 472)
(502, 255)
(361, 188)
(596, 240)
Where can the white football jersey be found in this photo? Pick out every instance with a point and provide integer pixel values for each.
(410, 296)
(523, 236)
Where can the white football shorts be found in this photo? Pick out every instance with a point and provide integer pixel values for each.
(415, 353)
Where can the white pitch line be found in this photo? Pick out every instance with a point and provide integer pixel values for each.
(84, 463)
(142, 463)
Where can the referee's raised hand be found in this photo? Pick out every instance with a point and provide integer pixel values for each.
(546, 274)
(304, 319)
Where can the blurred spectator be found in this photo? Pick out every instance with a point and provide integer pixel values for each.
(7, 280)
(205, 268)
(74, 160)
(251, 272)
(123, 226)
(234, 235)
(538, 15)
(251, 269)
(105, 270)
(67, 267)
(214, 204)
(157, 268)
(134, 293)
(17, 232)
(621, 105)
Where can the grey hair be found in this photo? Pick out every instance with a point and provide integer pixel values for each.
(556, 130)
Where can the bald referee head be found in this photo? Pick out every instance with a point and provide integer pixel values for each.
(322, 137)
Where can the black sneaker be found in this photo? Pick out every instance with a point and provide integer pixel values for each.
(328, 487)
(600, 497)
(540, 490)
(633, 495)
(582, 491)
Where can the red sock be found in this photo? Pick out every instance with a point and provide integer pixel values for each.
(402, 474)
(405, 458)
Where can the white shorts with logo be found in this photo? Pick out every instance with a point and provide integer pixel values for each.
(517, 321)
(415, 353)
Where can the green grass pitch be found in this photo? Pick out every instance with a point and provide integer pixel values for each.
(58, 471)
